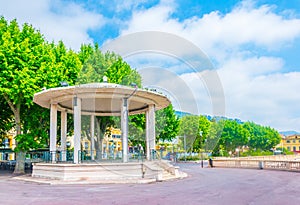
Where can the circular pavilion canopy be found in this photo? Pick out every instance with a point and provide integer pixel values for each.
(102, 99)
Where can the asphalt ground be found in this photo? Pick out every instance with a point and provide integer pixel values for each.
(202, 186)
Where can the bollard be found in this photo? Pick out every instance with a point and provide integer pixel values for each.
(261, 164)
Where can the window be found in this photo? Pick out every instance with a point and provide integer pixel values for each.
(294, 149)
(116, 136)
(294, 141)
(288, 141)
(288, 148)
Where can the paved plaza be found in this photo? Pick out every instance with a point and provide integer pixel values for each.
(202, 186)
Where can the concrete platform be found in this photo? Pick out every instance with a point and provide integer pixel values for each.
(94, 173)
(29, 178)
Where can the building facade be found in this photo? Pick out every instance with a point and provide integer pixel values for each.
(290, 143)
(8, 145)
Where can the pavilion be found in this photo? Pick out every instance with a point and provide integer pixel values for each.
(99, 99)
(102, 99)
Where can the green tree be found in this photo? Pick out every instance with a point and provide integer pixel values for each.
(189, 127)
(261, 137)
(29, 63)
(204, 127)
(35, 127)
(98, 64)
(137, 124)
(86, 50)
(35, 119)
(214, 136)
(6, 116)
(234, 135)
(167, 124)
(17, 78)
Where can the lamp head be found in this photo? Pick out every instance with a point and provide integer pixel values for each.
(105, 79)
(64, 84)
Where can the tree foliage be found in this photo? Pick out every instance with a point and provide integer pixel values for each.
(98, 64)
(214, 135)
(189, 128)
(246, 135)
(6, 117)
(204, 127)
(261, 137)
(167, 124)
(29, 63)
(233, 136)
(137, 124)
(222, 136)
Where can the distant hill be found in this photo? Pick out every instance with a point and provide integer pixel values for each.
(217, 118)
(181, 113)
(288, 133)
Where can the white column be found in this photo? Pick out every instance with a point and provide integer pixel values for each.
(53, 131)
(124, 128)
(150, 130)
(147, 136)
(77, 128)
(92, 136)
(63, 135)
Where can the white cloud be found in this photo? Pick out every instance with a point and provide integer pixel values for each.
(251, 25)
(269, 99)
(57, 20)
(122, 5)
(153, 19)
(255, 87)
(238, 71)
(214, 31)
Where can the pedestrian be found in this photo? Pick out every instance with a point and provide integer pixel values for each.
(141, 151)
(210, 162)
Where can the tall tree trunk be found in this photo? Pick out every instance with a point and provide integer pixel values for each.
(20, 156)
(20, 163)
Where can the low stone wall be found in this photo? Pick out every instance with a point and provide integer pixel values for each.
(258, 164)
(174, 170)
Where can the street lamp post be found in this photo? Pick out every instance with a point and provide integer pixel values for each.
(184, 141)
(200, 133)
(237, 151)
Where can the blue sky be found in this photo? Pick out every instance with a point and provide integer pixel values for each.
(254, 46)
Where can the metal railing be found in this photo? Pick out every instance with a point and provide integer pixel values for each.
(85, 156)
(89, 156)
(10, 165)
